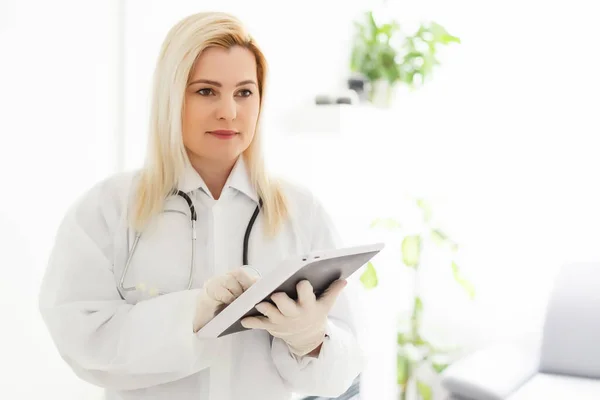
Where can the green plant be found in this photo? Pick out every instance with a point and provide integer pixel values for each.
(384, 52)
(415, 351)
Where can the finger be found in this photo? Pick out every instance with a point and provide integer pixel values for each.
(215, 291)
(306, 293)
(285, 305)
(222, 294)
(331, 293)
(232, 284)
(269, 311)
(244, 278)
(256, 323)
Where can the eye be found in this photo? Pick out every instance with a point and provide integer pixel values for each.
(245, 93)
(205, 92)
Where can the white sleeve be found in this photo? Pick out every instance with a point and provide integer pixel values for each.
(341, 359)
(106, 341)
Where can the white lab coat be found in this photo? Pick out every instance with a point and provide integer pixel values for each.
(142, 347)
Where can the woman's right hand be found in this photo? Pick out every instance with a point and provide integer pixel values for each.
(218, 292)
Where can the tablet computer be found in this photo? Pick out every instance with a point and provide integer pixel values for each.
(320, 268)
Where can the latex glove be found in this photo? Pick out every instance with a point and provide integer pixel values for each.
(218, 292)
(300, 324)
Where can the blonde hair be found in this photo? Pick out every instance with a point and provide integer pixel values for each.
(166, 156)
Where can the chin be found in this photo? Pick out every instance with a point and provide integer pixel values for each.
(225, 155)
(220, 152)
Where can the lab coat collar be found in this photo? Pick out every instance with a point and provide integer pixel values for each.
(239, 179)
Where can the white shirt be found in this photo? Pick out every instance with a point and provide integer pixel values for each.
(142, 347)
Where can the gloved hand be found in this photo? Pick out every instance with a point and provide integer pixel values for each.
(218, 292)
(301, 324)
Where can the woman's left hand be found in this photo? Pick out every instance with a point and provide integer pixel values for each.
(301, 324)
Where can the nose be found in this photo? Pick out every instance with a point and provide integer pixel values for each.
(227, 108)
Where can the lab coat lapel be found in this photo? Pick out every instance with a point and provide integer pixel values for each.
(190, 180)
(239, 179)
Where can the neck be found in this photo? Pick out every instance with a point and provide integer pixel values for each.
(213, 173)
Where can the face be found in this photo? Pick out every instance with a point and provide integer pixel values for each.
(221, 106)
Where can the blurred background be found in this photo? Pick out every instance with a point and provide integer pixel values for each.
(469, 145)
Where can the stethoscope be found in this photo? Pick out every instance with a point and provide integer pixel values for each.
(193, 219)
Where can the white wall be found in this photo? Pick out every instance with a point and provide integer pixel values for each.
(59, 91)
(504, 140)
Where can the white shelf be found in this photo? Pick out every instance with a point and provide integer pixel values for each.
(331, 119)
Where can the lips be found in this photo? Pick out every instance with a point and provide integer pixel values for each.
(223, 132)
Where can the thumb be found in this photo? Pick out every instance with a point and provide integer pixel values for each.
(331, 294)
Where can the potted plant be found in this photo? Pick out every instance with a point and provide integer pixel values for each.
(414, 351)
(386, 56)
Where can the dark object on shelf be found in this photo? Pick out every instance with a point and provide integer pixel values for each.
(344, 100)
(360, 84)
(344, 97)
(324, 99)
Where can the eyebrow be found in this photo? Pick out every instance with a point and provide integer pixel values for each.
(218, 84)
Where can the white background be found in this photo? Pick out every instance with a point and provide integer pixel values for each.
(504, 142)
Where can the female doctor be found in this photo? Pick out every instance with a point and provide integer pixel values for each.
(144, 260)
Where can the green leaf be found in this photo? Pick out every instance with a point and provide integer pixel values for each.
(403, 338)
(416, 312)
(439, 237)
(463, 282)
(369, 277)
(373, 54)
(411, 250)
(441, 35)
(387, 223)
(372, 22)
(402, 370)
(439, 367)
(388, 29)
(423, 205)
(424, 390)
(418, 305)
(419, 341)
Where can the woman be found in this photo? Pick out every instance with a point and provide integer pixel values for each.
(121, 298)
